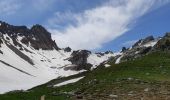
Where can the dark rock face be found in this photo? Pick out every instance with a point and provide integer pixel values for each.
(13, 30)
(67, 49)
(37, 36)
(1, 42)
(100, 54)
(1, 52)
(42, 38)
(164, 43)
(79, 58)
(123, 49)
(167, 34)
(103, 53)
(145, 50)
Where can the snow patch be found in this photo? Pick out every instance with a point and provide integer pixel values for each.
(69, 81)
(107, 65)
(118, 60)
(150, 44)
(95, 60)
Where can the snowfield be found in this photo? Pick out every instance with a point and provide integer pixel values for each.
(17, 73)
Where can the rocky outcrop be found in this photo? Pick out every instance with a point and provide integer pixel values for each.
(11, 30)
(37, 36)
(100, 54)
(124, 49)
(42, 38)
(135, 53)
(107, 52)
(79, 58)
(67, 49)
(163, 43)
(139, 49)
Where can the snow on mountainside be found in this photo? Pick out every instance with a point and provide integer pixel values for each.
(29, 57)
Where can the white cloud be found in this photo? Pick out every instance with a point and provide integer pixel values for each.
(62, 18)
(97, 26)
(8, 7)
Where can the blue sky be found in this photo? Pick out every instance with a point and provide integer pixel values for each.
(155, 23)
(91, 24)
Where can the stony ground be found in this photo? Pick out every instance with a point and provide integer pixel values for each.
(128, 89)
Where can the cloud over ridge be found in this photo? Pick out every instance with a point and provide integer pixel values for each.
(90, 28)
(97, 26)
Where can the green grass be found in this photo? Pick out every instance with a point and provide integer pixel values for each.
(150, 68)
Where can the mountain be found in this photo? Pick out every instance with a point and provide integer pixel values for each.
(141, 72)
(29, 57)
(34, 67)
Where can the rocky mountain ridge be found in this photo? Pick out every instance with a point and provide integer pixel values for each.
(34, 58)
(37, 36)
(145, 46)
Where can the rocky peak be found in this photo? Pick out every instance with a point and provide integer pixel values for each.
(37, 36)
(124, 49)
(42, 38)
(39, 30)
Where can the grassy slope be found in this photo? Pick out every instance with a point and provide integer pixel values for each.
(152, 71)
